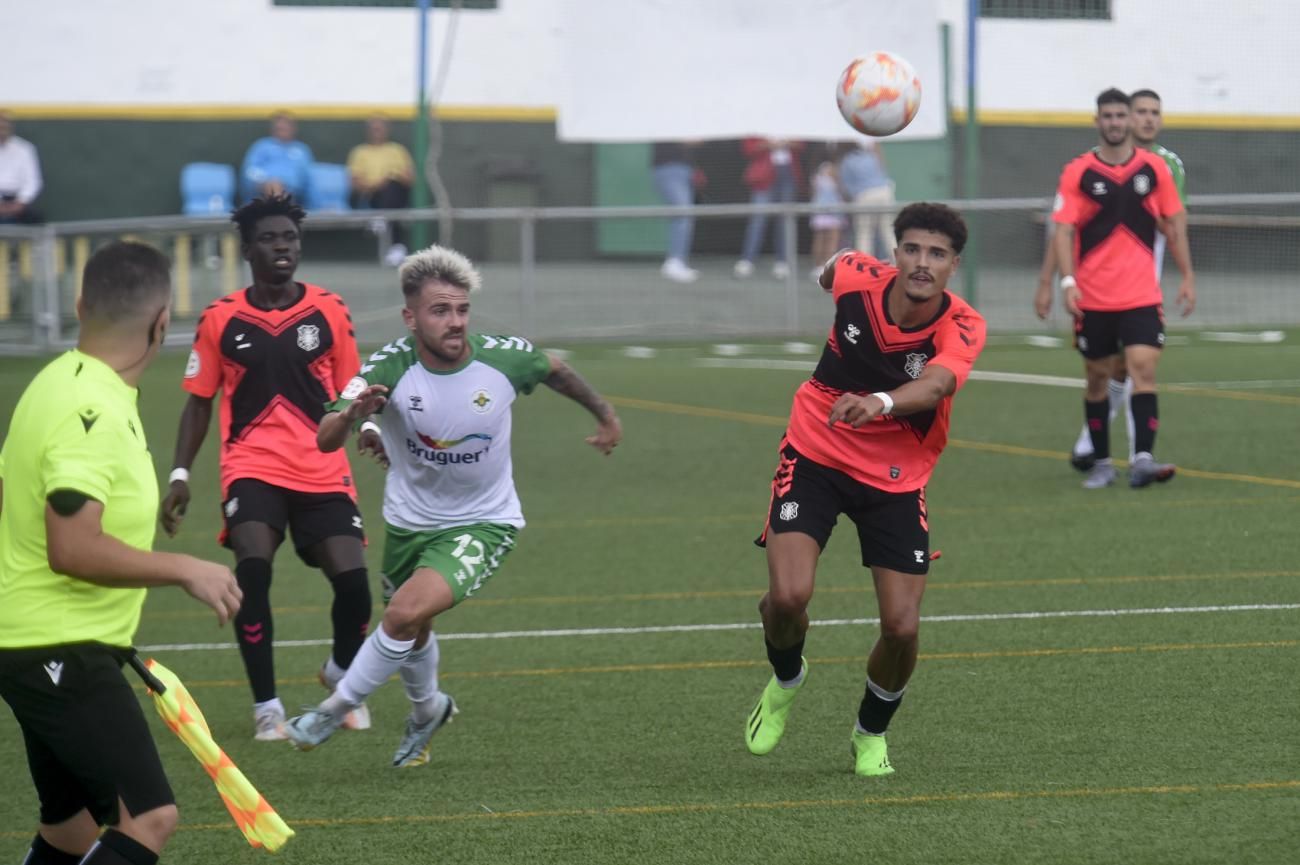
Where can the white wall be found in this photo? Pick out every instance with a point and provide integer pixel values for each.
(1202, 59)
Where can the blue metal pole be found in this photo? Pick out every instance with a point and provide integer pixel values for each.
(419, 189)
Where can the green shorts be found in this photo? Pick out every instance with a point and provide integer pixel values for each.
(465, 556)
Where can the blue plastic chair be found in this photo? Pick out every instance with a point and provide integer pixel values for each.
(328, 187)
(207, 189)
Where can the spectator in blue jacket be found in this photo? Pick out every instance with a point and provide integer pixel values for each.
(277, 164)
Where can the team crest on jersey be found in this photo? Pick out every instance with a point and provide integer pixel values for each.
(481, 402)
(354, 387)
(1141, 184)
(308, 337)
(915, 364)
(192, 365)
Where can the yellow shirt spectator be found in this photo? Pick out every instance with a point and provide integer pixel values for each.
(371, 165)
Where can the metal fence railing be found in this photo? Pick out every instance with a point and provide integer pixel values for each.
(548, 276)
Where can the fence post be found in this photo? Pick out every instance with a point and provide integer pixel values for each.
(528, 273)
(789, 231)
(47, 324)
(5, 307)
(181, 263)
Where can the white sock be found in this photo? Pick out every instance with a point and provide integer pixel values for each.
(332, 672)
(380, 657)
(887, 696)
(273, 703)
(1084, 443)
(420, 677)
(1128, 415)
(1115, 395)
(796, 681)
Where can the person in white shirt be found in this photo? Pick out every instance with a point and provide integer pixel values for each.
(20, 175)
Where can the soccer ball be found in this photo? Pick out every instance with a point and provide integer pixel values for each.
(878, 93)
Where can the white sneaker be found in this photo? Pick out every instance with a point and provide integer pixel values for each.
(268, 724)
(742, 269)
(676, 270)
(396, 255)
(780, 270)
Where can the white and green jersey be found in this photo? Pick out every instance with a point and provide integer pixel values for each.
(447, 433)
(1180, 180)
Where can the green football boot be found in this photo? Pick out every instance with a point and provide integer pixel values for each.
(767, 722)
(871, 757)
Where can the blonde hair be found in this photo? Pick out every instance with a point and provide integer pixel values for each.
(438, 264)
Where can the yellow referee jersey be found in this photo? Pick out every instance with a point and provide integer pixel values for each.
(76, 427)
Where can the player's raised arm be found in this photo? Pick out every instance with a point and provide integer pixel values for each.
(336, 426)
(563, 379)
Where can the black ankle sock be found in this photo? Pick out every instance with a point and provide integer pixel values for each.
(1098, 416)
(786, 663)
(350, 614)
(45, 853)
(875, 713)
(114, 848)
(254, 629)
(1146, 418)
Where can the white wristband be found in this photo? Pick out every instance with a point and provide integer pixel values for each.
(887, 400)
(1067, 283)
(370, 425)
(178, 474)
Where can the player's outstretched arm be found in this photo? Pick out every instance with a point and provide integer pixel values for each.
(923, 394)
(565, 380)
(77, 546)
(336, 426)
(195, 418)
(1063, 248)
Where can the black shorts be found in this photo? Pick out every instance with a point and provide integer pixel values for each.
(1101, 334)
(311, 517)
(87, 740)
(808, 497)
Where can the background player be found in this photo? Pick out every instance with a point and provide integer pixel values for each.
(1147, 124)
(278, 351)
(451, 513)
(76, 534)
(1110, 204)
(865, 433)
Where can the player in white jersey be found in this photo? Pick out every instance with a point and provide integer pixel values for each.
(1148, 121)
(451, 513)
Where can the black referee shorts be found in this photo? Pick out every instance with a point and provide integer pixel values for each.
(87, 740)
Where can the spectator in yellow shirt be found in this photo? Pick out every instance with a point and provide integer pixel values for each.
(382, 174)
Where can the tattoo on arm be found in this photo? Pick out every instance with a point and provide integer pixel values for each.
(565, 380)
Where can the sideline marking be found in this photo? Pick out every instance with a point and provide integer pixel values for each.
(750, 626)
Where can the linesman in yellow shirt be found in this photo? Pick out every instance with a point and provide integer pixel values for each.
(78, 499)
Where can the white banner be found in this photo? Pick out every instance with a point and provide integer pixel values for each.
(637, 70)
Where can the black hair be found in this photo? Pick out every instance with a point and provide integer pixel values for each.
(247, 217)
(1144, 93)
(939, 218)
(123, 281)
(1113, 96)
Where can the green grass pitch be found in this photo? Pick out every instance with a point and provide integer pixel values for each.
(1106, 676)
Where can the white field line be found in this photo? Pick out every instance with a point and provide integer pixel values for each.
(747, 626)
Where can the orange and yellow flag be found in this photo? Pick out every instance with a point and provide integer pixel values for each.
(254, 817)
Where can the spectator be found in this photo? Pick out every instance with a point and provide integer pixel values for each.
(382, 173)
(20, 175)
(826, 227)
(772, 176)
(864, 181)
(674, 181)
(277, 164)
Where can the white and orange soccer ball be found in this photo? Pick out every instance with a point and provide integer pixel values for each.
(878, 93)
